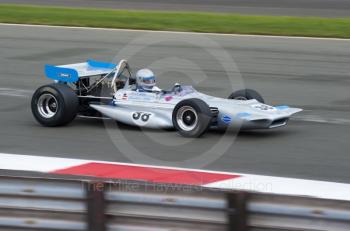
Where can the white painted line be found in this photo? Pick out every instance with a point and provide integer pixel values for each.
(321, 119)
(175, 32)
(93, 117)
(36, 163)
(286, 186)
(15, 92)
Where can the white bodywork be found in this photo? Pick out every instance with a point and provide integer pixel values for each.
(155, 109)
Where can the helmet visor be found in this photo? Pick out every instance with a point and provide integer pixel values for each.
(149, 80)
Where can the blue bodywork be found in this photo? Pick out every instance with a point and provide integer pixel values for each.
(282, 107)
(71, 75)
(98, 64)
(61, 74)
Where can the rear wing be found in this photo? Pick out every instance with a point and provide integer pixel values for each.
(72, 72)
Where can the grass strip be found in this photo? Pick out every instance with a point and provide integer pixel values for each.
(177, 21)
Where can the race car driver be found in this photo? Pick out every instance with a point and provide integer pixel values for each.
(146, 81)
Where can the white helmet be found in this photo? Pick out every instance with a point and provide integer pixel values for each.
(145, 79)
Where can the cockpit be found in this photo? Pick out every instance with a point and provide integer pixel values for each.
(123, 79)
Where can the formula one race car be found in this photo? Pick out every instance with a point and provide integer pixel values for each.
(99, 89)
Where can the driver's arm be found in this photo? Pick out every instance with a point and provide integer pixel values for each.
(156, 89)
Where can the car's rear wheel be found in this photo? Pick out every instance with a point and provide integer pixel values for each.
(192, 117)
(247, 94)
(54, 105)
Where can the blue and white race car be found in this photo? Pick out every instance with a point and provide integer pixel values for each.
(99, 89)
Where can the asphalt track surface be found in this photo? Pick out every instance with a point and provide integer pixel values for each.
(320, 8)
(313, 74)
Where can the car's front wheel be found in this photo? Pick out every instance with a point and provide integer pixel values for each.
(54, 105)
(192, 117)
(247, 94)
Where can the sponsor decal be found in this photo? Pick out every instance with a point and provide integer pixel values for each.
(125, 96)
(263, 107)
(226, 119)
(64, 75)
(141, 96)
(168, 98)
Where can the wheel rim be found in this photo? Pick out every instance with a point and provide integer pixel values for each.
(47, 105)
(187, 118)
(240, 98)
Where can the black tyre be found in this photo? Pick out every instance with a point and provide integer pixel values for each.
(54, 105)
(192, 117)
(247, 94)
